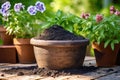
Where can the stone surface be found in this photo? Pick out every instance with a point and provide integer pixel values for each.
(114, 76)
(111, 73)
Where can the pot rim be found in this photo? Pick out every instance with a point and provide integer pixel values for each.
(60, 43)
(2, 29)
(19, 41)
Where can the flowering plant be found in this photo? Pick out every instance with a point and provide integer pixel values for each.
(99, 28)
(20, 22)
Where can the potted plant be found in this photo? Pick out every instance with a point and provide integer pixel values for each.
(7, 39)
(22, 24)
(103, 33)
(55, 48)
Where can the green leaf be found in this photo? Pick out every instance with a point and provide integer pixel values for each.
(106, 43)
(112, 46)
(115, 41)
(112, 23)
(59, 13)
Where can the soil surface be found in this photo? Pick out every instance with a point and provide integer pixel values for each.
(56, 32)
(34, 70)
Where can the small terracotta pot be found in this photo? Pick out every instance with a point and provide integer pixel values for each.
(59, 54)
(7, 54)
(105, 57)
(24, 50)
(7, 39)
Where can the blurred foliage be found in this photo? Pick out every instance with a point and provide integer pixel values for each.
(106, 6)
(73, 6)
(77, 6)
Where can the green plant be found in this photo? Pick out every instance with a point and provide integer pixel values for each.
(22, 23)
(103, 29)
(67, 20)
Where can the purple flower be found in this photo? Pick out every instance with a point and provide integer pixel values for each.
(117, 13)
(4, 12)
(18, 7)
(99, 18)
(112, 10)
(6, 5)
(5, 9)
(32, 10)
(85, 15)
(40, 6)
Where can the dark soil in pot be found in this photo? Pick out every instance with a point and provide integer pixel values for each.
(56, 32)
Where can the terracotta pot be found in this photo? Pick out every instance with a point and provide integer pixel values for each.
(7, 54)
(25, 50)
(59, 54)
(105, 57)
(7, 39)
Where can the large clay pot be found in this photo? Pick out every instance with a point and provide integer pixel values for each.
(105, 57)
(59, 54)
(24, 50)
(7, 39)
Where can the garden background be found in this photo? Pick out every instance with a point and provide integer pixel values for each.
(73, 6)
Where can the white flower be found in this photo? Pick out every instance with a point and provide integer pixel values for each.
(4, 12)
(40, 6)
(32, 10)
(6, 5)
(5, 8)
(18, 7)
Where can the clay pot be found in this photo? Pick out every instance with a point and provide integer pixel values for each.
(105, 57)
(24, 50)
(59, 54)
(7, 54)
(7, 39)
